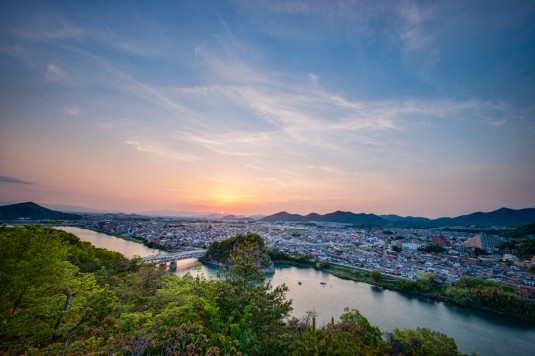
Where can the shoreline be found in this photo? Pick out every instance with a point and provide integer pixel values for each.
(119, 236)
(388, 282)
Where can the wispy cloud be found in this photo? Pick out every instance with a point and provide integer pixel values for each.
(5, 179)
(412, 30)
(72, 111)
(161, 150)
(50, 27)
(242, 144)
(253, 113)
(55, 73)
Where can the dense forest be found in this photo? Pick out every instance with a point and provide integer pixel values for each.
(63, 296)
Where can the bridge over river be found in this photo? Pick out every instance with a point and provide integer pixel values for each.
(174, 257)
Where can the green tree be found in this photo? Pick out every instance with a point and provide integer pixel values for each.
(44, 297)
(432, 248)
(376, 275)
(422, 341)
(248, 301)
(352, 335)
(425, 284)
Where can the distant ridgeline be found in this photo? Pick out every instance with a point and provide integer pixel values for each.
(32, 211)
(219, 253)
(500, 217)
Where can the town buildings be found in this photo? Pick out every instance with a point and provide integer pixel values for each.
(395, 251)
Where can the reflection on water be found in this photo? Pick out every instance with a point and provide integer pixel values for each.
(112, 243)
(473, 330)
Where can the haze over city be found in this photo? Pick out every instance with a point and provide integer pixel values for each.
(418, 108)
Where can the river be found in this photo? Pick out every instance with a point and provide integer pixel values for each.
(112, 243)
(473, 330)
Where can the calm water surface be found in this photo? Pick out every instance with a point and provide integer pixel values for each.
(473, 330)
(112, 243)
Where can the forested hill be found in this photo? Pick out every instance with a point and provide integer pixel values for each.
(500, 217)
(337, 216)
(220, 252)
(32, 211)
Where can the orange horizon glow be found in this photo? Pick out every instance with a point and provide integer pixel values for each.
(197, 115)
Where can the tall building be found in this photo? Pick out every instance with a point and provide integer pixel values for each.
(439, 240)
(473, 242)
(484, 241)
(492, 241)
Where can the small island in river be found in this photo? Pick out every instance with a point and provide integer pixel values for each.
(221, 252)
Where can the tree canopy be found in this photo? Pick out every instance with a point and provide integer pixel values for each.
(63, 296)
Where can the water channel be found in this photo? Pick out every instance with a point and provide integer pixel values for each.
(473, 330)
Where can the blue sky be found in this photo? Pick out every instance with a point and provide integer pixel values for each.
(407, 107)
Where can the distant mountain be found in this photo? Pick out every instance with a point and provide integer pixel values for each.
(407, 219)
(285, 216)
(500, 217)
(345, 217)
(32, 211)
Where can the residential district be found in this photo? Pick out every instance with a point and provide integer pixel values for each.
(394, 251)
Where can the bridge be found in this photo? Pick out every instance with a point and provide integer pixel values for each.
(174, 257)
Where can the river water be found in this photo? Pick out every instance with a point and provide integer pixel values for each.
(112, 243)
(473, 330)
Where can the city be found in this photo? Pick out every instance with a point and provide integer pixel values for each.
(394, 251)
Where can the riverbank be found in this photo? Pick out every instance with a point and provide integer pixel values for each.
(472, 292)
(350, 273)
(131, 239)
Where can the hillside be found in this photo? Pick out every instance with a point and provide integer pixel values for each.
(500, 217)
(32, 211)
(220, 252)
(345, 217)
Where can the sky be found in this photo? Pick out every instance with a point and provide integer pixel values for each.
(422, 108)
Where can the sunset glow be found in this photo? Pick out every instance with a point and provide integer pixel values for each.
(252, 107)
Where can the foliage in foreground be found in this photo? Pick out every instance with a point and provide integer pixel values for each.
(64, 296)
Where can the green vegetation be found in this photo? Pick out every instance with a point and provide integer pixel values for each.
(63, 296)
(277, 255)
(519, 232)
(432, 248)
(490, 295)
(353, 335)
(521, 241)
(468, 291)
(376, 275)
(222, 250)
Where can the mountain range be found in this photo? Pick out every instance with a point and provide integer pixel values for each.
(32, 211)
(500, 217)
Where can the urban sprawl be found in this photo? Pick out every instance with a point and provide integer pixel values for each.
(394, 251)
